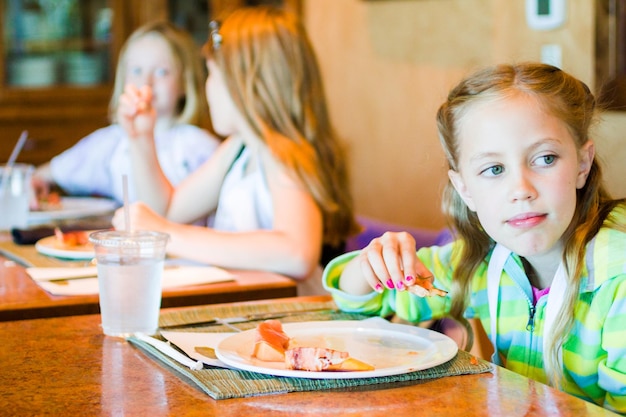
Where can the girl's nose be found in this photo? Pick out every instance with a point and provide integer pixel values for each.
(522, 187)
(140, 82)
(147, 79)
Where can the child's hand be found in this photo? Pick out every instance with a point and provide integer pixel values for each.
(135, 112)
(141, 218)
(390, 262)
(40, 189)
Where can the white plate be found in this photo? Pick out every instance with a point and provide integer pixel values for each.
(73, 208)
(52, 247)
(391, 348)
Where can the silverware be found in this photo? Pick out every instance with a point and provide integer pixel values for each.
(167, 349)
(227, 321)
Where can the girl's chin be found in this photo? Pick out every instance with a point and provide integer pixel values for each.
(528, 249)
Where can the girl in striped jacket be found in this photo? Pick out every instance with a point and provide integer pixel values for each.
(540, 250)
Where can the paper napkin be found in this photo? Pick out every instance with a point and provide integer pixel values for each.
(84, 281)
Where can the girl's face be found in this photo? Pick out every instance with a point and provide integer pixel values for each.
(224, 113)
(519, 170)
(150, 62)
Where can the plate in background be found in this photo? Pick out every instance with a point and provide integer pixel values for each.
(74, 208)
(52, 247)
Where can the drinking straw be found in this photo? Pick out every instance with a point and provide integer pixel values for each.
(9, 165)
(126, 208)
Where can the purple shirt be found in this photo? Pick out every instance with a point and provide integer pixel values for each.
(537, 293)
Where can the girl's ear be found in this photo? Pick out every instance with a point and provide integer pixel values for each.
(585, 158)
(459, 186)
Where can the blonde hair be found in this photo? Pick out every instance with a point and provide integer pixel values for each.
(193, 108)
(272, 75)
(566, 98)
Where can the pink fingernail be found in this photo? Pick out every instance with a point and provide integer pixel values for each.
(408, 278)
(390, 284)
(400, 286)
(378, 288)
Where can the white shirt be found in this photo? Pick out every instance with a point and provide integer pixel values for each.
(245, 201)
(96, 164)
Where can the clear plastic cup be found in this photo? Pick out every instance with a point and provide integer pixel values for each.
(15, 195)
(130, 271)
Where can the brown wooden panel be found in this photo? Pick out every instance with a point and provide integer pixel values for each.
(58, 116)
(611, 53)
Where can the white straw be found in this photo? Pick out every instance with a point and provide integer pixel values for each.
(126, 208)
(18, 148)
(9, 166)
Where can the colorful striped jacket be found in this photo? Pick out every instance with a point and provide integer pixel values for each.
(594, 355)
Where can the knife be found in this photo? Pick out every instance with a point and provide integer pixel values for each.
(247, 318)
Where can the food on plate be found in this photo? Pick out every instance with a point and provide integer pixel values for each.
(73, 238)
(209, 352)
(270, 341)
(323, 359)
(272, 344)
(52, 201)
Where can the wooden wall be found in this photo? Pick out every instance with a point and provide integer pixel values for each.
(388, 64)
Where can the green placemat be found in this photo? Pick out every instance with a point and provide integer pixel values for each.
(222, 383)
(28, 256)
(310, 311)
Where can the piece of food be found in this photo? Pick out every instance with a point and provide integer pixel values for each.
(73, 238)
(437, 291)
(423, 292)
(270, 341)
(209, 352)
(271, 344)
(52, 201)
(323, 359)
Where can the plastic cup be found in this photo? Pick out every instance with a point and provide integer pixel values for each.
(130, 271)
(15, 195)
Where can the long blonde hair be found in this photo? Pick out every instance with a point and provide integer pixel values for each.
(192, 108)
(566, 98)
(273, 77)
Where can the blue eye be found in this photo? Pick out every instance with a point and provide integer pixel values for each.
(546, 160)
(493, 171)
(136, 71)
(161, 72)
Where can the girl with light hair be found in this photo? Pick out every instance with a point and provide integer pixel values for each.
(278, 184)
(540, 254)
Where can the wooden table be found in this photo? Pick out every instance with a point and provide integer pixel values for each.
(65, 366)
(21, 298)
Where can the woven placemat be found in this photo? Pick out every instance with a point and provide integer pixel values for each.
(310, 311)
(221, 383)
(28, 256)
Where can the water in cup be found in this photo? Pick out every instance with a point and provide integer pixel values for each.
(15, 192)
(130, 271)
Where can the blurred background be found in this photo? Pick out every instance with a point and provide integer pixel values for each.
(387, 66)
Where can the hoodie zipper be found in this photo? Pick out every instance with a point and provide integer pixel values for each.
(530, 326)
